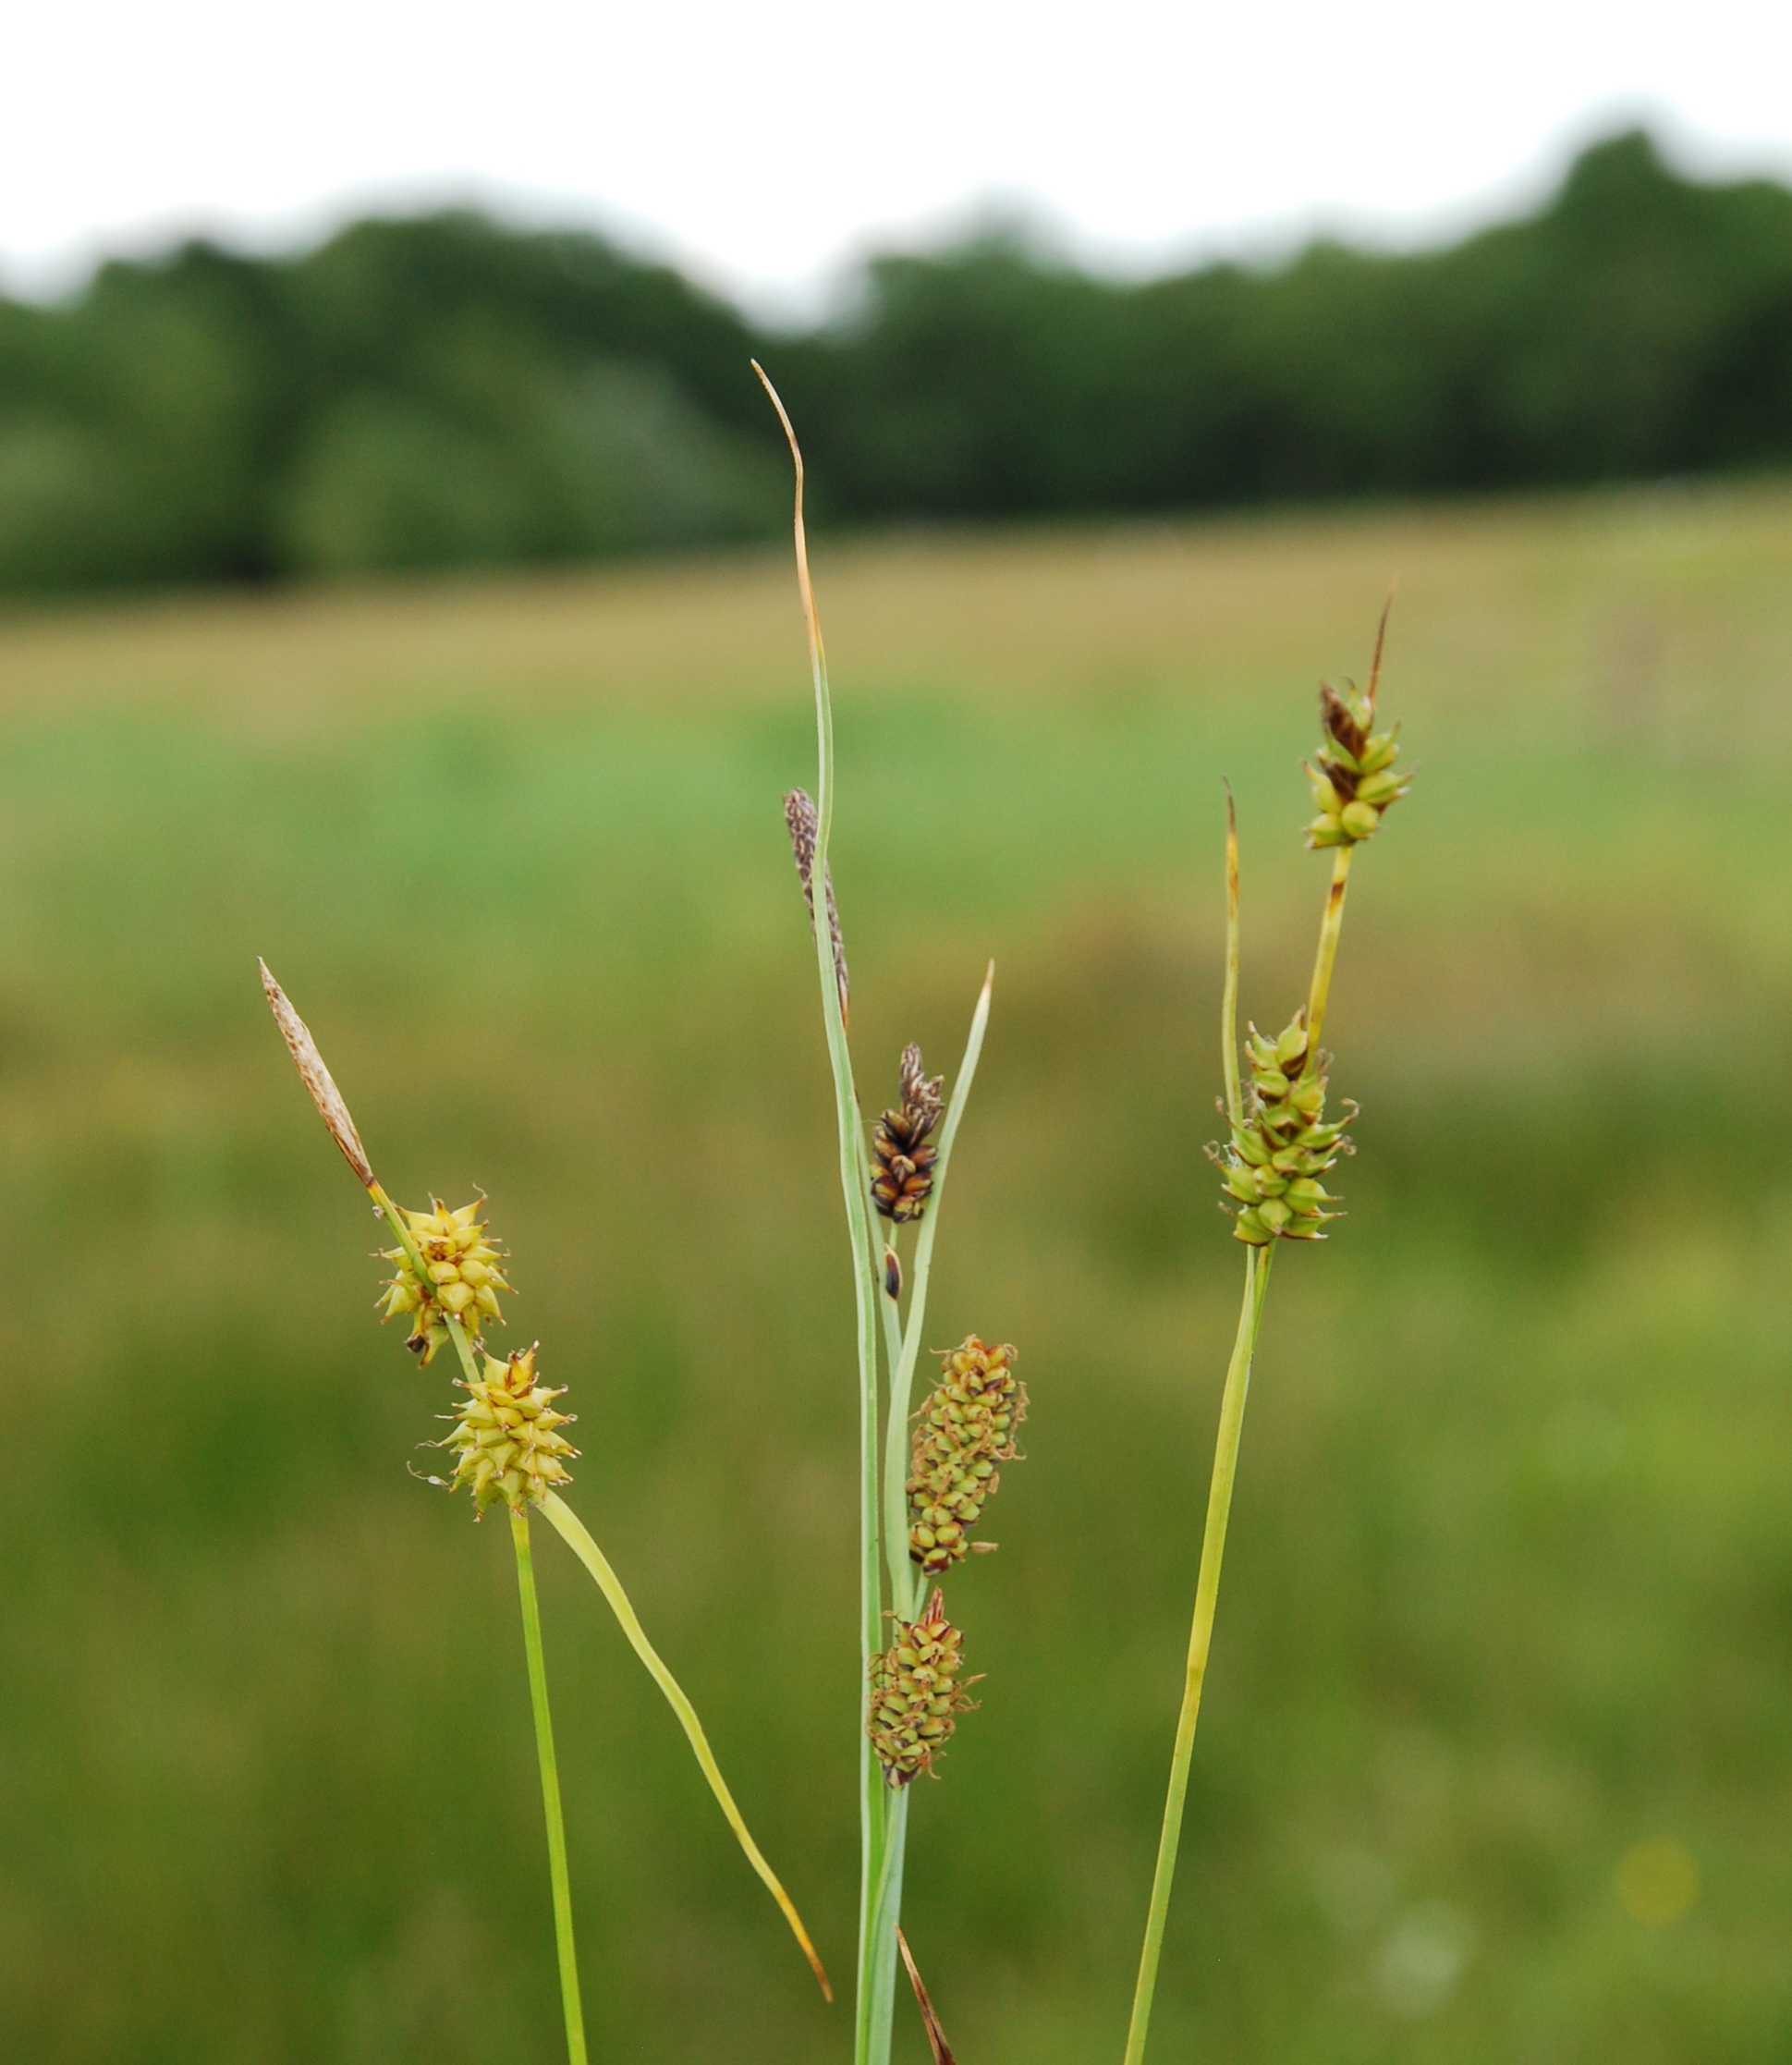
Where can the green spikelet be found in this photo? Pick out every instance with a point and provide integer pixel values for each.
(916, 1694)
(507, 1436)
(1355, 779)
(463, 1271)
(1273, 1162)
(967, 1427)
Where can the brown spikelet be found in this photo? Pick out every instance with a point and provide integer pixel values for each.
(801, 816)
(902, 1161)
(316, 1077)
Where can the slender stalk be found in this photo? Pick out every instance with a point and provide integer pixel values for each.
(1235, 1102)
(1207, 1592)
(873, 1817)
(574, 1532)
(909, 1588)
(886, 1915)
(1330, 925)
(556, 1828)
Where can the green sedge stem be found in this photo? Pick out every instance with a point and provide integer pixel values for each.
(556, 1828)
(1207, 1592)
(577, 1539)
(1235, 1104)
(872, 1820)
(886, 1914)
(908, 1586)
(1329, 927)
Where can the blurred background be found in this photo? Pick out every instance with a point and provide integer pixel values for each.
(396, 584)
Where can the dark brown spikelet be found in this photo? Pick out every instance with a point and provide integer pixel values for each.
(916, 1694)
(966, 1429)
(800, 815)
(902, 1161)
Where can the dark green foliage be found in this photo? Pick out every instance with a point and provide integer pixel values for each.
(445, 390)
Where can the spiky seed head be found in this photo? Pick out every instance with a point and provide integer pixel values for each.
(507, 1436)
(1282, 1145)
(463, 1274)
(1355, 780)
(965, 1428)
(804, 822)
(918, 1692)
(902, 1159)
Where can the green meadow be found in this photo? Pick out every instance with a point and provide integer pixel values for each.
(1495, 1767)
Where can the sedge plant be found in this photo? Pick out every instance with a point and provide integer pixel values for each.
(1279, 1145)
(510, 1449)
(923, 1483)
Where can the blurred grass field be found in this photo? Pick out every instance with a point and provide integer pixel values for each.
(1497, 1762)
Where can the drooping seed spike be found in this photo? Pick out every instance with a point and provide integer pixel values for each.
(917, 1693)
(965, 1427)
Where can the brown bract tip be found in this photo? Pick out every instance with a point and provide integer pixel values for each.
(316, 1077)
(930, 2020)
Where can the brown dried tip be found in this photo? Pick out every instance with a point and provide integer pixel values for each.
(801, 816)
(902, 1162)
(316, 1078)
(930, 2020)
(1340, 722)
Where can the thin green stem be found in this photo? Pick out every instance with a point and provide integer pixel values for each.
(908, 1586)
(1330, 926)
(577, 1539)
(556, 1828)
(1235, 1106)
(872, 1818)
(886, 1914)
(1207, 1593)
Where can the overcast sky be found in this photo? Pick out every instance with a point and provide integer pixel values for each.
(765, 146)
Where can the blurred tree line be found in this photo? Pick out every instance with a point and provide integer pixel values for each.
(445, 389)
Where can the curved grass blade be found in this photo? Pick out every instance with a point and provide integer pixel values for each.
(577, 1539)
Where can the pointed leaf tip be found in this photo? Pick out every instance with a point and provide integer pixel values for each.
(930, 2020)
(316, 1077)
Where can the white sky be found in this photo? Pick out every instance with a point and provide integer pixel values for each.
(763, 147)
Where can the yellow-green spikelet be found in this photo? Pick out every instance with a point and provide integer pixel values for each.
(916, 1694)
(1282, 1146)
(464, 1272)
(966, 1428)
(507, 1436)
(1355, 779)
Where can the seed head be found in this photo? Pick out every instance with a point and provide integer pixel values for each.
(800, 815)
(1355, 779)
(507, 1436)
(917, 1693)
(966, 1428)
(902, 1162)
(1282, 1145)
(463, 1277)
